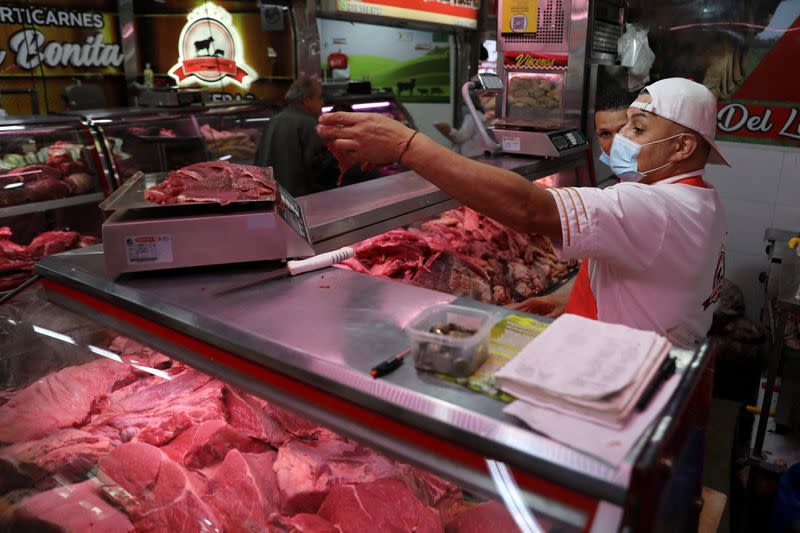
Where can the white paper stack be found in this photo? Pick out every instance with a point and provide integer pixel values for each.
(586, 369)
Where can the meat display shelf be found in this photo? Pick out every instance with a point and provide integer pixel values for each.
(38, 207)
(308, 342)
(339, 217)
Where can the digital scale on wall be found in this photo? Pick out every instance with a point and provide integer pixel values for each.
(539, 81)
(142, 236)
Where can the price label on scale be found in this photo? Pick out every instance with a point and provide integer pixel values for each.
(143, 249)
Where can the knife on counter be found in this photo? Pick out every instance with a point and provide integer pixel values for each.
(294, 268)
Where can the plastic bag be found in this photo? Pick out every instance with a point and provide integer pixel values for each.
(635, 53)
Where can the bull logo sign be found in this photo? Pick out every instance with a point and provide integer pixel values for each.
(210, 50)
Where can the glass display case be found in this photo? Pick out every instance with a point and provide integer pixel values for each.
(535, 96)
(163, 139)
(147, 140)
(50, 187)
(232, 132)
(99, 431)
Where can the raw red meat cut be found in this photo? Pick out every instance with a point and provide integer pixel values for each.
(394, 254)
(490, 516)
(208, 443)
(46, 189)
(434, 491)
(17, 261)
(307, 471)
(70, 453)
(157, 410)
(381, 506)
(302, 523)
(78, 508)
(243, 491)
(62, 399)
(262, 420)
(214, 181)
(156, 493)
(465, 254)
(29, 173)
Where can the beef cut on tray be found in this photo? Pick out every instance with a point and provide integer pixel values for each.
(215, 182)
(138, 442)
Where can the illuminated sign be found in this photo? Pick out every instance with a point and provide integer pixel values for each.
(534, 60)
(210, 50)
(451, 12)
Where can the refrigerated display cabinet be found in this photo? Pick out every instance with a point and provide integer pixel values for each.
(101, 432)
(163, 139)
(51, 182)
(307, 343)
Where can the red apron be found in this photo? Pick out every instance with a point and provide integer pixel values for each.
(581, 299)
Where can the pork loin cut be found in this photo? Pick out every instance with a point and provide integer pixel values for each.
(156, 493)
(214, 181)
(381, 506)
(78, 508)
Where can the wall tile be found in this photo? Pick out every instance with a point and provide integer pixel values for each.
(747, 221)
(789, 180)
(753, 174)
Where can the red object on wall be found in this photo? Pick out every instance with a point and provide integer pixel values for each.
(337, 60)
(762, 83)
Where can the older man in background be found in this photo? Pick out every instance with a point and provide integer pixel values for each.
(291, 145)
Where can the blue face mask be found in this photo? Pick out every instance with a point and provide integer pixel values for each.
(604, 158)
(624, 158)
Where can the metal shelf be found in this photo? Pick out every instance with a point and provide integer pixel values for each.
(38, 207)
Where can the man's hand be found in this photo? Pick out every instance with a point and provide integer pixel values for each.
(364, 137)
(444, 128)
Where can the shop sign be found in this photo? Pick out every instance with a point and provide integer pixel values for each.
(57, 40)
(210, 50)
(531, 60)
(779, 123)
(451, 12)
(520, 16)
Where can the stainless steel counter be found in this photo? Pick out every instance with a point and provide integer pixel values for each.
(326, 330)
(339, 217)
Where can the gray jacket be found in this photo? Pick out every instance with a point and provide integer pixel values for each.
(290, 144)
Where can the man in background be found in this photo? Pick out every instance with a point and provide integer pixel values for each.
(610, 116)
(291, 145)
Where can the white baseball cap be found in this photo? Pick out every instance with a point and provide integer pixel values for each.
(689, 104)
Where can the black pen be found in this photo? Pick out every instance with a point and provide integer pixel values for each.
(390, 365)
(663, 374)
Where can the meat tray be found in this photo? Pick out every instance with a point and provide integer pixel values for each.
(131, 196)
(144, 236)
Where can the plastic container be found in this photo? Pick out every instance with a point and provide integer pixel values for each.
(455, 356)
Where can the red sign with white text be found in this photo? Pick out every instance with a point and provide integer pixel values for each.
(765, 109)
(534, 60)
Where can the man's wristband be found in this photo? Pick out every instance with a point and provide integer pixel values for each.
(405, 148)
